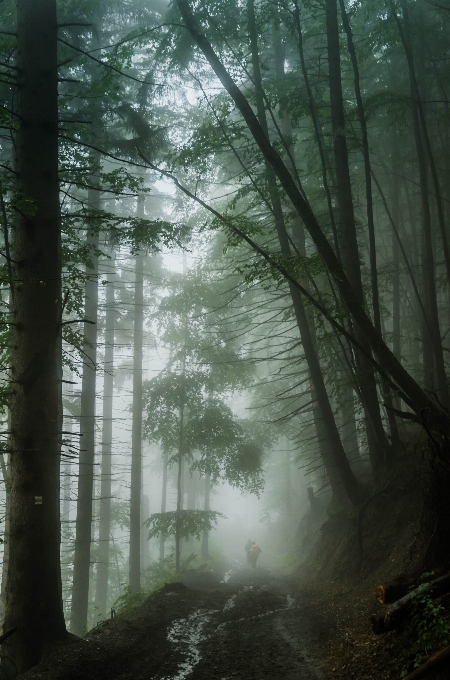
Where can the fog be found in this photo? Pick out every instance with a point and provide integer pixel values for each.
(225, 284)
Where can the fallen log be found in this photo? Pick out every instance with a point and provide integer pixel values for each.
(377, 621)
(398, 610)
(393, 591)
(390, 592)
(430, 665)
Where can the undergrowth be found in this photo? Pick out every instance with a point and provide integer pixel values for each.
(426, 631)
(161, 572)
(155, 576)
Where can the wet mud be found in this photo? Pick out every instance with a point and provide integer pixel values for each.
(253, 625)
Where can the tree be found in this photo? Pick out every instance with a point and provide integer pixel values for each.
(136, 435)
(34, 580)
(101, 586)
(413, 394)
(340, 474)
(82, 556)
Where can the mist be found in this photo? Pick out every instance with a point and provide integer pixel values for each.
(224, 320)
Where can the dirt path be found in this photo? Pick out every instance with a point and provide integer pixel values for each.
(259, 632)
(252, 626)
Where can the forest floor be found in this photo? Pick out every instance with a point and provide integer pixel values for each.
(263, 624)
(253, 625)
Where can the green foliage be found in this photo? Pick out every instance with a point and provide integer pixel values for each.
(129, 601)
(214, 442)
(158, 573)
(426, 631)
(191, 523)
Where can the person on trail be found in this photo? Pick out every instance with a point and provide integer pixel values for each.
(248, 545)
(254, 554)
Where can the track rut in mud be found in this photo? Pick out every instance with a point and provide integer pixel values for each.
(254, 626)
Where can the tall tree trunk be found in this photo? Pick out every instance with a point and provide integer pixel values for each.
(206, 508)
(395, 440)
(180, 446)
(6, 531)
(67, 467)
(416, 97)
(421, 137)
(83, 526)
(335, 457)
(101, 586)
(34, 580)
(316, 125)
(433, 357)
(298, 236)
(349, 438)
(163, 501)
(378, 443)
(136, 434)
(145, 544)
(66, 542)
(395, 203)
(413, 394)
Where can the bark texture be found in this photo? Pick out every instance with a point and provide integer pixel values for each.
(83, 526)
(101, 586)
(162, 540)
(136, 432)
(34, 587)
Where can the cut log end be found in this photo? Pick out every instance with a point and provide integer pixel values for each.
(379, 594)
(377, 621)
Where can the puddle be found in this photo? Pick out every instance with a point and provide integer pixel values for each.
(229, 604)
(227, 576)
(186, 635)
(290, 601)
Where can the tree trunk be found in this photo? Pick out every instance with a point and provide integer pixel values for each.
(83, 526)
(433, 366)
(6, 531)
(349, 428)
(206, 507)
(163, 502)
(136, 435)
(415, 396)
(298, 238)
(316, 124)
(335, 456)
(101, 586)
(34, 579)
(349, 434)
(428, 266)
(416, 97)
(180, 460)
(378, 443)
(145, 545)
(395, 440)
(395, 203)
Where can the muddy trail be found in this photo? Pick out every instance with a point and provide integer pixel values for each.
(253, 625)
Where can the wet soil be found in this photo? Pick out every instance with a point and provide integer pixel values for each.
(254, 625)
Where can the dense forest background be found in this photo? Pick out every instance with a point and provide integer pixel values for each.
(225, 284)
